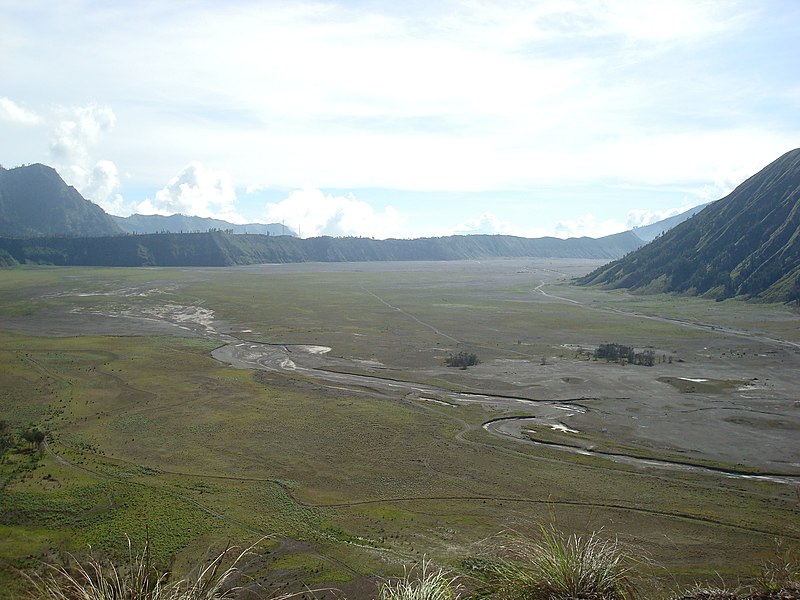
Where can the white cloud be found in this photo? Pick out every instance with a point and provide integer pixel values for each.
(313, 213)
(12, 112)
(587, 225)
(657, 22)
(102, 187)
(195, 191)
(642, 217)
(458, 95)
(78, 130)
(486, 223)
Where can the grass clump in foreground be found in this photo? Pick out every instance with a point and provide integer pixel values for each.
(558, 566)
(554, 566)
(96, 579)
(428, 584)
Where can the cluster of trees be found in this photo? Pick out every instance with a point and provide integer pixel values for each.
(462, 360)
(625, 355)
(33, 436)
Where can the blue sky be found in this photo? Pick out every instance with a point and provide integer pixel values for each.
(386, 119)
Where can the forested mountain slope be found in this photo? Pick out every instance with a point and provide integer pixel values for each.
(746, 244)
(35, 201)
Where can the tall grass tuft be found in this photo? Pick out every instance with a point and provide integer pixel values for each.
(557, 566)
(781, 574)
(95, 579)
(428, 584)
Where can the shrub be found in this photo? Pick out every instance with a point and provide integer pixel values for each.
(428, 584)
(462, 360)
(94, 579)
(558, 566)
(781, 574)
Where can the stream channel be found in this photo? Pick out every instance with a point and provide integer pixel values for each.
(311, 362)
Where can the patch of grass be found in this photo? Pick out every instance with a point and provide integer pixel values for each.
(556, 565)
(206, 448)
(780, 575)
(92, 578)
(422, 582)
(309, 568)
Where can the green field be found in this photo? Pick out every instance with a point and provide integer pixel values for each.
(343, 479)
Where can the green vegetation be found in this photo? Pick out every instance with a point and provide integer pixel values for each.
(462, 360)
(139, 579)
(620, 353)
(551, 566)
(422, 582)
(556, 565)
(150, 436)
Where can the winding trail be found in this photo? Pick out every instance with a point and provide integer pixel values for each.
(410, 316)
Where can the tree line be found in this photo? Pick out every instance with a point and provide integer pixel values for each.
(620, 353)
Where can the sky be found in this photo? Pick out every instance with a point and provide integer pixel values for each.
(402, 119)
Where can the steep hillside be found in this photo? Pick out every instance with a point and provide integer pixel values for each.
(188, 224)
(35, 201)
(746, 244)
(218, 248)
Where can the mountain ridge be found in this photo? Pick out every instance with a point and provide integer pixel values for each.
(180, 223)
(35, 201)
(218, 248)
(92, 237)
(746, 244)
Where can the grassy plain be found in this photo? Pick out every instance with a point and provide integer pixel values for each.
(150, 436)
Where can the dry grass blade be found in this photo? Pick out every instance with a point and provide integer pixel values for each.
(428, 584)
(781, 573)
(557, 566)
(94, 579)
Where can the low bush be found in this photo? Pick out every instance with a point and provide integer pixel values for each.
(92, 578)
(557, 566)
(462, 360)
(428, 583)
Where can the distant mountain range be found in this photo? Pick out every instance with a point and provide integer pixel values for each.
(218, 248)
(746, 244)
(44, 221)
(187, 224)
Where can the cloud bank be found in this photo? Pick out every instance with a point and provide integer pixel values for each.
(197, 191)
(313, 213)
(465, 98)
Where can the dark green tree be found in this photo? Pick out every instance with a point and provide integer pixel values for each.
(35, 437)
(462, 360)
